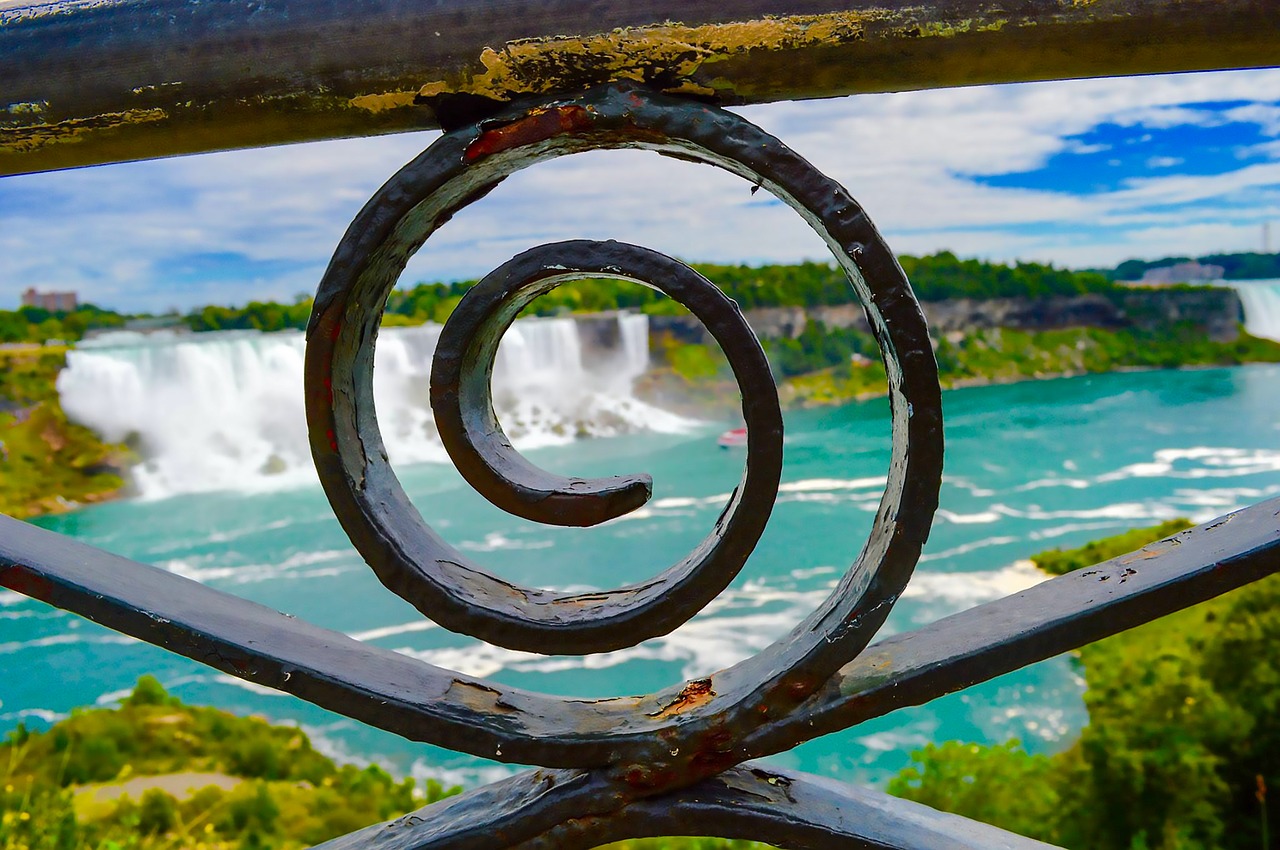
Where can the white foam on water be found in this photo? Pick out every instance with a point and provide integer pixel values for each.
(42, 714)
(809, 485)
(468, 777)
(251, 687)
(966, 589)
(965, 548)
(392, 631)
(494, 542)
(224, 411)
(967, 519)
(1068, 528)
(293, 567)
(1119, 510)
(736, 625)
(61, 640)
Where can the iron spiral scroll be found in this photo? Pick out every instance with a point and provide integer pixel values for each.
(636, 748)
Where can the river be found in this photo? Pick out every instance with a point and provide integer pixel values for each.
(1029, 466)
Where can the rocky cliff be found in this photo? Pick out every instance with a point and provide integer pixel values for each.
(1216, 311)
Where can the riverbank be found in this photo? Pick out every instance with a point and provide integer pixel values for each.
(48, 464)
(825, 366)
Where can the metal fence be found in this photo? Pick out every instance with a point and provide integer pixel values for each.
(100, 81)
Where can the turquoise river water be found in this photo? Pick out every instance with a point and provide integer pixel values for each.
(1029, 467)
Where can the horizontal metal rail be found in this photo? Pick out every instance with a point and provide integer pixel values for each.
(94, 81)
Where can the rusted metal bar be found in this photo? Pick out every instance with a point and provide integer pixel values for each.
(753, 802)
(94, 81)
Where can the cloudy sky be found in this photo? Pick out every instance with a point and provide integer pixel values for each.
(1084, 173)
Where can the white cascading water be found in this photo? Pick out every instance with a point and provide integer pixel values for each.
(1261, 300)
(225, 411)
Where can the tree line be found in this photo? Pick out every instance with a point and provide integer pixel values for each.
(809, 284)
(1243, 266)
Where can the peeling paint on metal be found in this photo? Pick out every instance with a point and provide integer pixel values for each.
(387, 100)
(666, 55)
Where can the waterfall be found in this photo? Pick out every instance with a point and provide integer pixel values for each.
(1261, 300)
(225, 410)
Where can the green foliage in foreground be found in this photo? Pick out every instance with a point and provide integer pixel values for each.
(47, 464)
(1059, 562)
(1183, 738)
(287, 794)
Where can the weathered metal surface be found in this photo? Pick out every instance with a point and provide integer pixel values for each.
(751, 802)
(92, 81)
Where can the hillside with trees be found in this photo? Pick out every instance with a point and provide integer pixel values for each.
(1243, 266)
(1182, 745)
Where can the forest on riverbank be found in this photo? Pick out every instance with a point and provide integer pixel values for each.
(1182, 742)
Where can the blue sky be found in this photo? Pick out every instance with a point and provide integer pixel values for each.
(1081, 173)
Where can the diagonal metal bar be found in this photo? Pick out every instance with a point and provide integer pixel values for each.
(93, 81)
(397, 693)
(561, 810)
(1051, 618)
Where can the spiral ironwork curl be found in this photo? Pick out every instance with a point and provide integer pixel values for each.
(690, 730)
(422, 568)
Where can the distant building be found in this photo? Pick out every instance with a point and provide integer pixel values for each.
(54, 302)
(1182, 273)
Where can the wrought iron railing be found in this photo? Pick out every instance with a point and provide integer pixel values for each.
(677, 761)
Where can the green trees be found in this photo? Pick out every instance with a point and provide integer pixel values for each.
(284, 795)
(1243, 266)
(806, 284)
(288, 795)
(256, 315)
(1184, 731)
(34, 324)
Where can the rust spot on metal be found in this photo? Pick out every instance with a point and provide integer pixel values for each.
(376, 103)
(714, 753)
(539, 126)
(798, 689)
(645, 778)
(479, 697)
(696, 693)
(1155, 550)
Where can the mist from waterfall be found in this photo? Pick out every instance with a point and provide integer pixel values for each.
(224, 411)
